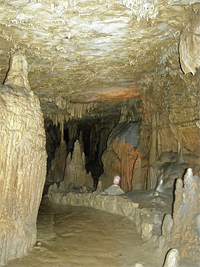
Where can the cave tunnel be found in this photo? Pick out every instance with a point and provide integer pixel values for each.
(99, 133)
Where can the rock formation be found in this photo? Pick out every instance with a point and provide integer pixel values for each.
(22, 161)
(57, 169)
(186, 213)
(53, 138)
(189, 48)
(114, 189)
(170, 120)
(181, 230)
(76, 176)
(121, 154)
(172, 258)
(164, 171)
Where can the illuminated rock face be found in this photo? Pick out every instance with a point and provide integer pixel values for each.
(22, 162)
(170, 122)
(121, 154)
(181, 229)
(186, 216)
(190, 46)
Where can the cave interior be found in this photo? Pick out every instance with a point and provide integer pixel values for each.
(96, 90)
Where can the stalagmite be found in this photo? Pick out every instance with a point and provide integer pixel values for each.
(172, 259)
(75, 172)
(22, 161)
(186, 215)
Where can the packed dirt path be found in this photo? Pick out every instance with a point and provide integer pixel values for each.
(85, 237)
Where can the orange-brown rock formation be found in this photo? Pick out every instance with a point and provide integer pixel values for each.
(121, 154)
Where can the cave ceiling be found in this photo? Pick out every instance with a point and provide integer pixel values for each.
(93, 53)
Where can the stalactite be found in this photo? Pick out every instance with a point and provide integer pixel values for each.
(180, 152)
(153, 154)
(62, 129)
(71, 111)
(153, 151)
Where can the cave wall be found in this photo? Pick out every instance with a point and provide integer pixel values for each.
(22, 162)
(171, 118)
(170, 105)
(170, 114)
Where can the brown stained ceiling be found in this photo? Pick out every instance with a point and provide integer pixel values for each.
(82, 51)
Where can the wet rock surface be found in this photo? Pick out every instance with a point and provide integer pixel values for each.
(81, 236)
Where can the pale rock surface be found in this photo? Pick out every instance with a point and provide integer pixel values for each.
(172, 258)
(181, 230)
(189, 48)
(167, 225)
(138, 264)
(114, 190)
(18, 72)
(22, 162)
(186, 215)
(164, 171)
(170, 121)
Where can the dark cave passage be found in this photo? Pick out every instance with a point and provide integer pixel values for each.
(92, 135)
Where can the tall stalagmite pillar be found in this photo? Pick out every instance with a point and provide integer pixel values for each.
(22, 161)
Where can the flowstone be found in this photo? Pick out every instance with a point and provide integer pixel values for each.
(121, 155)
(22, 162)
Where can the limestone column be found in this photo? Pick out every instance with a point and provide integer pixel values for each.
(22, 161)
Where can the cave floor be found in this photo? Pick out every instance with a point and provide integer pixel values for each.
(80, 236)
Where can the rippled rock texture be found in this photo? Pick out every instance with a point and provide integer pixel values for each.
(121, 154)
(22, 162)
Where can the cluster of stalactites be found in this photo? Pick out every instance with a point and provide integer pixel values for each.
(70, 111)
